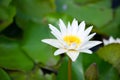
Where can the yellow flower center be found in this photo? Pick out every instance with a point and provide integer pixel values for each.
(72, 39)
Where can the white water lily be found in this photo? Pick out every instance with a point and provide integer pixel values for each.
(111, 40)
(71, 39)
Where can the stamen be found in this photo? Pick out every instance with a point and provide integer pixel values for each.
(72, 39)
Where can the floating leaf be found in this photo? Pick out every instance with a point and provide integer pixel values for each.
(18, 75)
(5, 2)
(53, 18)
(92, 13)
(4, 75)
(12, 57)
(111, 54)
(106, 71)
(6, 16)
(85, 1)
(35, 74)
(50, 77)
(33, 10)
(113, 25)
(36, 49)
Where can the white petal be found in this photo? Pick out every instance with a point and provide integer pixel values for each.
(72, 46)
(52, 42)
(84, 40)
(90, 36)
(87, 31)
(90, 44)
(86, 51)
(69, 29)
(73, 55)
(82, 26)
(74, 23)
(105, 42)
(59, 38)
(55, 31)
(81, 29)
(111, 39)
(62, 27)
(118, 40)
(59, 51)
(56, 35)
(74, 27)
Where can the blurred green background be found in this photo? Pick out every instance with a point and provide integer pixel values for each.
(23, 23)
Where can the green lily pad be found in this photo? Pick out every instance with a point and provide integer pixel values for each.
(81, 67)
(4, 75)
(18, 75)
(33, 10)
(37, 50)
(104, 69)
(50, 77)
(12, 57)
(85, 1)
(35, 74)
(5, 2)
(6, 16)
(53, 18)
(92, 13)
(111, 54)
(112, 25)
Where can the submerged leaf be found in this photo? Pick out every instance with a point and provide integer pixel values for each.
(92, 72)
